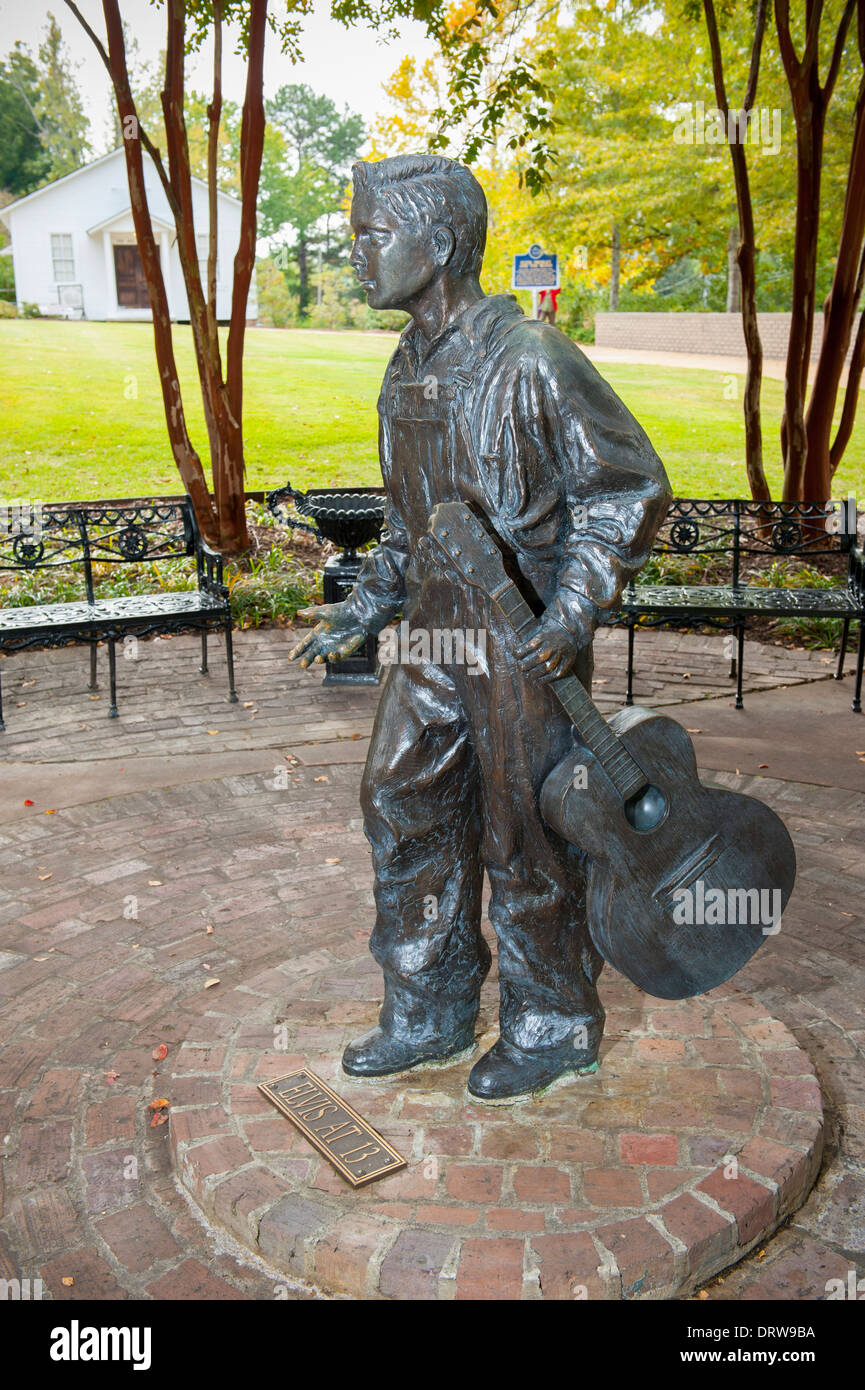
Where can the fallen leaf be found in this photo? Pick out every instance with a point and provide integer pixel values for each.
(160, 1104)
(29, 803)
(154, 883)
(209, 929)
(136, 946)
(248, 704)
(204, 965)
(764, 764)
(43, 877)
(695, 731)
(333, 861)
(159, 1053)
(703, 1293)
(51, 813)
(40, 958)
(212, 732)
(321, 779)
(111, 1077)
(209, 983)
(357, 735)
(67, 1280)
(159, 1118)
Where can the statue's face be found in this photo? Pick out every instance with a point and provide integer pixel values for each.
(394, 259)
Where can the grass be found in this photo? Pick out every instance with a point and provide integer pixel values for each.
(82, 414)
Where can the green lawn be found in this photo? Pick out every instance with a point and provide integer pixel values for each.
(82, 413)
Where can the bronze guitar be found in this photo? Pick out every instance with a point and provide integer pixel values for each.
(686, 881)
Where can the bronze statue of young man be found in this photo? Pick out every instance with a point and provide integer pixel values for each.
(483, 405)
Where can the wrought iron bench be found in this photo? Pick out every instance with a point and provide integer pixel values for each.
(77, 538)
(725, 533)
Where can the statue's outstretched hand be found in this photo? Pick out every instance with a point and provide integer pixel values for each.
(549, 652)
(337, 634)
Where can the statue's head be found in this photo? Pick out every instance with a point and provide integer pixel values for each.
(416, 218)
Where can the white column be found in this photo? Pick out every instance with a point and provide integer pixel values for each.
(111, 309)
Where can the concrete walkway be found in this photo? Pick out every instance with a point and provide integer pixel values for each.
(147, 831)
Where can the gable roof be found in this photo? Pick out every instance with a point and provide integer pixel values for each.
(76, 173)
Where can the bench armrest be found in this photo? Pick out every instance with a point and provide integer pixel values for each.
(209, 565)
(856, 570)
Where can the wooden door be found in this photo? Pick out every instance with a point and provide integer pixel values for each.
(129, 273)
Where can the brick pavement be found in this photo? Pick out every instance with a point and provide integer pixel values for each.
(104, 952)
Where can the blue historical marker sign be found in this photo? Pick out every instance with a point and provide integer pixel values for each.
(536, 269)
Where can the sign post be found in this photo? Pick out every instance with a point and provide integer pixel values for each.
(535, 270)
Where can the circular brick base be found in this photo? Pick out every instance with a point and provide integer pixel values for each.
(699, 1134)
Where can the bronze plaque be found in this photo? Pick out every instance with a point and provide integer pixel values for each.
(355, 1149)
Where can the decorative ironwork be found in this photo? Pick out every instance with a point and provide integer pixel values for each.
(78, 537)
(684, 535)
(28, 553)
(132, 542)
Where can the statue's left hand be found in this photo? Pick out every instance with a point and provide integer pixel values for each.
(549, 651)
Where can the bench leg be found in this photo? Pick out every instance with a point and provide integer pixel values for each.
(740, 634)
(92, 685)
(860, 660)
(229, 656)
(842, 652)
(733, 666)
(629, 693)
(112, 675)
(203, 666)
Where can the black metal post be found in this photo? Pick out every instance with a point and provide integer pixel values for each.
(362, 667)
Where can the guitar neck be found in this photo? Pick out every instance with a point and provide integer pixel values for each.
(626, 775)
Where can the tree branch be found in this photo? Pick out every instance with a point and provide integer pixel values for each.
(838, 49)
(142, 133)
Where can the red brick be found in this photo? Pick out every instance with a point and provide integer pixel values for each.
(612, 1187)
(506, 1219)
(542, 1185)
(474, 1182)
(644, 1258)
(576, 1145)
(342, 1258)
(751, 1204)
(192, 1282)
(284, 1228)
(208, 1160)
(43, 1221)
(490, 1269)
(787, 1167)
(710, 1237)
(137, 1238)
(448, 1216)
(412, 1266)
(109, 1119)
(44, 1153)
(661, 1049)
(795, 1093)
(56, 1094)
(568, 1267)
(509, 1141)
(453, 1140)
(203, 1123)
(93, 1279)
(656, 1149)
(106, 1181)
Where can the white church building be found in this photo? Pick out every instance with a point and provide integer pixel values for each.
(74, 249)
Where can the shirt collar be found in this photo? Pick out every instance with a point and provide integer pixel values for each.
(473, 325)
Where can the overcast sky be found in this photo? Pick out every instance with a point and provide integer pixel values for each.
(349, 65)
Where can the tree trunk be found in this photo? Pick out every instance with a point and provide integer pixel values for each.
(185, 456)
(303, 273)
(251, 149)
(734, 279)
(839, 312)
(746, 250)
(809, 157)
(615, 268)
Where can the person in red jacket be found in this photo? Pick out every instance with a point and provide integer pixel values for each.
(548, 303)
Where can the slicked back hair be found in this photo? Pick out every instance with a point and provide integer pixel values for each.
(435, 191)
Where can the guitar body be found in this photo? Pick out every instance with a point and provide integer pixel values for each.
(686, 882)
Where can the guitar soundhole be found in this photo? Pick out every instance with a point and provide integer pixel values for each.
(647, 809)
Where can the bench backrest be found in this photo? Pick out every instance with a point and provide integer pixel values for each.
(34, 538)
(731, 528)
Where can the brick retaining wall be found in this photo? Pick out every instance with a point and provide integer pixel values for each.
(711, 334)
